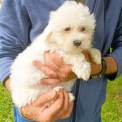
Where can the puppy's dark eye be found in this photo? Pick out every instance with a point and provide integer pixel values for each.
(82, 29)
(67, 29)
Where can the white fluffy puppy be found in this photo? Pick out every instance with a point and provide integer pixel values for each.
(69, 32)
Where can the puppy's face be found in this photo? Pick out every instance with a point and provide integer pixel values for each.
(72, 39)
(72, 31)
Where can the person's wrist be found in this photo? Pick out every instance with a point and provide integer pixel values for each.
(95, 69)
(7, 84)
(103, 70)
(21, 114)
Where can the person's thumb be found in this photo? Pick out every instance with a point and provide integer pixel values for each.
(46, 97)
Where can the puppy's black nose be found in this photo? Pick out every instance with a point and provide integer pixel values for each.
(77, 43)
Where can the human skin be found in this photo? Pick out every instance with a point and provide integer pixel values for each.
(58, 71)
(60, 109)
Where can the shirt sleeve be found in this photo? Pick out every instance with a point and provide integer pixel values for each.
(14, 34)
(117, 49)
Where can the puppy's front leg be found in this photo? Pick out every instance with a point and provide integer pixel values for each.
(95, 55)
(80, 67)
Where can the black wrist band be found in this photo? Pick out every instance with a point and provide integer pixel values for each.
(103, 71)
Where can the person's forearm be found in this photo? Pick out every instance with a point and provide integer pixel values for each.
(111, 66)
(7, 84)
(96, 69)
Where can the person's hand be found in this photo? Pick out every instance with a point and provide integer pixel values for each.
(55, 68)
(58, 71)
(95, 68)
(60, 109)
(64, 71)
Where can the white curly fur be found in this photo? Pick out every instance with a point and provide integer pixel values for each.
(71, 22)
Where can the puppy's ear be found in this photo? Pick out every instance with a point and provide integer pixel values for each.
(48, 32)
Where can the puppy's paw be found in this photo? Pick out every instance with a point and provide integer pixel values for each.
(44, 76)
(83, 70)
(57, 88)
(95, 55)
(71, 97)
(85, 77)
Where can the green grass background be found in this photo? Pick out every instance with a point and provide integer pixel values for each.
(111, 112)
(6, 112)
(112, 109)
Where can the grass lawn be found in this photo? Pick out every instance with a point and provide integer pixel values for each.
(6, 111)
(112, 109)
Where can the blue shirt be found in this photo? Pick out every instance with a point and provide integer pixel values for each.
(22, 20)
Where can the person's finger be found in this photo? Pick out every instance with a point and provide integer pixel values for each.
(31, 112)
(58, 103)
(87, 56)
(45, 69)
(50, 113)
(45, 97)
(50, 81)
(49, 60)
(65, 105)
(67, 113)
(36, 108)
(64, 108)
(66, 102)
(58, 60)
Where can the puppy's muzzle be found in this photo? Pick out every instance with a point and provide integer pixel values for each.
(77, 43)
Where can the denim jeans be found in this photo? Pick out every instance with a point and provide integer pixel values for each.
(19, 118)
